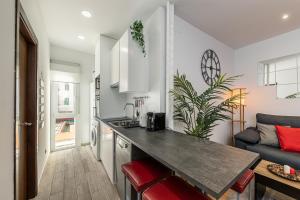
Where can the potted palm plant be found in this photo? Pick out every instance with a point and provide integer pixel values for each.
(200, 113)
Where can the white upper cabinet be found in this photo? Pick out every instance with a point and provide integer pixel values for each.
(97, 59)
(134, 70)
(115, 65)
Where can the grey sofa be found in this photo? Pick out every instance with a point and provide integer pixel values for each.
(250, 140)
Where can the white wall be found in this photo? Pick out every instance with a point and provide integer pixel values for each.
(263, 99)
(7, 35)
(112, 102)
(155, 32)
(87, 64)
(189, 46)
(61, 76)
(35, 18)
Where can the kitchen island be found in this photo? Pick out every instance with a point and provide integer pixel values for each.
(210, 166)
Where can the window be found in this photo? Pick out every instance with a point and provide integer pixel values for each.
(284, 73)
(66, 97)
(67, 101)
(67, 87)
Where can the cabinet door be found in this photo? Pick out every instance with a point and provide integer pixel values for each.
(124, 68)
(107, 149)
(97, 59)
(134, 70)
(115, 68)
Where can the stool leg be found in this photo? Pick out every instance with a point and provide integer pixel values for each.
(124, 198)
(250, 190)
(139, 196)
(238, 196)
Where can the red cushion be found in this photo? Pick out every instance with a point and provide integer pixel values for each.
(243, 181)
(143, 173)
(289, 138)
(173, 188)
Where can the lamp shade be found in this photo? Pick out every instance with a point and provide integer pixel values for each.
(241, 93)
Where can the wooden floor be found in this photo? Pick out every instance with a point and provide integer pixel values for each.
(75, 174)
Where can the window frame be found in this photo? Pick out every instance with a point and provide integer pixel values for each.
(279, 72)
(266, 71)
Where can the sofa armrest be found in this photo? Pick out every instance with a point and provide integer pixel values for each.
(250, 135)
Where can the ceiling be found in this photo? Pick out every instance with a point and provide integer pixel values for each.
(238, 23)
(64, 21)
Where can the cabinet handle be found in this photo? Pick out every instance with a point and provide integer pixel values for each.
(123, 147)
(25, 124)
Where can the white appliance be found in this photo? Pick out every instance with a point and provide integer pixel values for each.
(95, 138)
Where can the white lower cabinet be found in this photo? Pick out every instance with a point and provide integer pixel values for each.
(107, 150)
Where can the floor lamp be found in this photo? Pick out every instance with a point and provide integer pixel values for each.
(239, 108)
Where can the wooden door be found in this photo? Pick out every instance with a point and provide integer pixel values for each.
(25, 110)
(21, 118)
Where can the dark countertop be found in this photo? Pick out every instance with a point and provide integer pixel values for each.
(210, 166)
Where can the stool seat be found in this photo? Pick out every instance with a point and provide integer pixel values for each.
(173, 188)
(243, 181)
(143, 173)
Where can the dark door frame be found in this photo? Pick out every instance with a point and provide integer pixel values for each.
(23, 27)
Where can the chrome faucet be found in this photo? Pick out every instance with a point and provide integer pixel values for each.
(130, 104)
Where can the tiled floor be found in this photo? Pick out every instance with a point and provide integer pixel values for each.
(75, 174)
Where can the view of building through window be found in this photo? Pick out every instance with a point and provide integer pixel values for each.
(66, 101)
(65, 121)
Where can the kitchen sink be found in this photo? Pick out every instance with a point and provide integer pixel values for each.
(125, 123)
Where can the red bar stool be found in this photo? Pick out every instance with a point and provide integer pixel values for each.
(143, 173)
(173, 188)
(243, 182)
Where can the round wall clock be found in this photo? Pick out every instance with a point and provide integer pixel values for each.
(210, 66)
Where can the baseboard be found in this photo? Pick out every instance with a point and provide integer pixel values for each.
(43, 168)
(85, 144)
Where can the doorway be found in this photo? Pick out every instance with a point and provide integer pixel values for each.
(26, 185)
(64, 114)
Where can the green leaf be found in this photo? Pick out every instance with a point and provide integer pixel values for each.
(201, 113)
(137, 34)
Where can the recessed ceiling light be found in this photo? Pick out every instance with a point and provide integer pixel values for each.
(81, 37)
(285, 16)
(86, 14)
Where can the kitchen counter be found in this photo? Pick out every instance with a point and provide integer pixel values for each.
(212, 167)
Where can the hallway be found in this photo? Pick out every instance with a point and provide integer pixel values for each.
(74, 174)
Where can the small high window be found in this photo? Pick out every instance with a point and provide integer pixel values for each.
(284, 73)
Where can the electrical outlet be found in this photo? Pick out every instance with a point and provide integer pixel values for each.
(45, 151)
